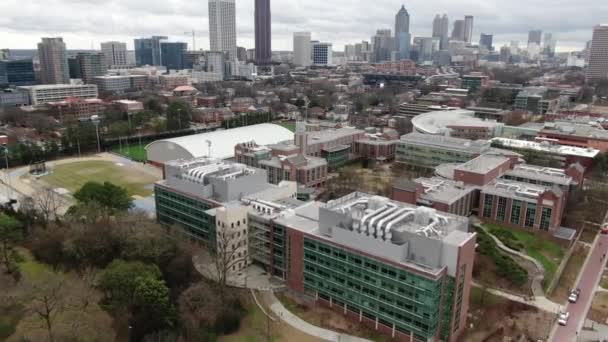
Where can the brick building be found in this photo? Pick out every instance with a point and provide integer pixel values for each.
(74, 108)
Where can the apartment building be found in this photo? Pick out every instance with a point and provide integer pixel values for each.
(45, 93)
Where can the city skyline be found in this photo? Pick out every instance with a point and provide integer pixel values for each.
(123, 21)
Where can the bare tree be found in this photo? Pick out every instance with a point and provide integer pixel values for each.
(48, 300)
(230, 253)
(48, 204)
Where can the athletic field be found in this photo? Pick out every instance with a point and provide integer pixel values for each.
(73, 176)
(134, 152)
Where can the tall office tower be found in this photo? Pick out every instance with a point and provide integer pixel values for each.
(349, 52)
(598, 54)
(383, 46)
(505, 54)
(241, 54)
(222, 26)
(437, 26)
(485, 40)
(402, 34)
(549, 44)
(468, 28)
(514, 46)
(534, 36)
(91, 65)
(440, 30)
(301, 49)
(115, 53)
(17, 72)
(173, 55)
(147, 50)
(263, 46)
(322, 53)
(53, 61)
(458, 31)
(216, 62)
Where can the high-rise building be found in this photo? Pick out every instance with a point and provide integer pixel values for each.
(598, 54)
(302, 49)
(216, 62)
(505, 54)
(468, 28)
(485, 40)
(383, 46)
(17, 72)
(458, 31)
(402, 34)
(173, 55)
(222, 26)
(147, 50)
(322, 53)
(440, 29)
(241, 54)
(53, 61)
(534, 36)
(115, 53)
(91, 65)
(263, 46)
(549, 44)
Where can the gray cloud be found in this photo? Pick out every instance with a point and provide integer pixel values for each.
(87, 22)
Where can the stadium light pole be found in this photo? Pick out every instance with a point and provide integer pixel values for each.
(95, 119)
(9, 190)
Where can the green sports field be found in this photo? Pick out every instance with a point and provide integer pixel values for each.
(134, 152)
(73, 176)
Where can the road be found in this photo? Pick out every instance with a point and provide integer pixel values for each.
(588, 282)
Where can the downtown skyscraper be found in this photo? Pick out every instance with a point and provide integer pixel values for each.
(440, 30)
(402, 34)
(598, 54)
(222, 26)
(468, 28)
(302, 49)
(263, 46)
(53, 61)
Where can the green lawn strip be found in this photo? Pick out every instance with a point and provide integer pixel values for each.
(547, 253)
(289, 125)
(135, 152)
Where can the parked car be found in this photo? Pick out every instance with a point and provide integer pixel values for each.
(562, 318)
(574, 295)
(604, 229)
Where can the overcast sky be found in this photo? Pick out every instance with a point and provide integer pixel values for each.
(85, 23)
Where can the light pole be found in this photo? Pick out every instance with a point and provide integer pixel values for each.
(9, 190)
(95, 119)
(179, 118)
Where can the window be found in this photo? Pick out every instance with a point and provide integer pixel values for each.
(502, 209)
(545, 218)
(487, 205)
(530, 215)
(515, 212)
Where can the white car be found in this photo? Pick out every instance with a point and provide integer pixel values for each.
(562, 318)
(574, 295)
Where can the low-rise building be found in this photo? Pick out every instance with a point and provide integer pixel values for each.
(563, 155)
(73, 109)
(13, 98)
(577, 135)
(458, 123)
(120, 83)
(172, 81)
(283, 162)
(534, 100)
(129, 106)
(429, 151)
(45, 93)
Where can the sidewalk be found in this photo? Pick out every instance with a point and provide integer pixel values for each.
(541, 303)
(296, 322)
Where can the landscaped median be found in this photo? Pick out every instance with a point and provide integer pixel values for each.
(546, 252)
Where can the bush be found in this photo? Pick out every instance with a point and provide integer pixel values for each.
(506, 267)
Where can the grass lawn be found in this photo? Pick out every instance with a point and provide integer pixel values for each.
(73, 176)
(134, 152)
(599, 307)
(290, 125)
(568, 278)
(548, 253)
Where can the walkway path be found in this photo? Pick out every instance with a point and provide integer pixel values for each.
(296, 322)
(541, 303)
(537, 280)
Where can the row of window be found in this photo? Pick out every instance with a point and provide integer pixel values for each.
(516, 212)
